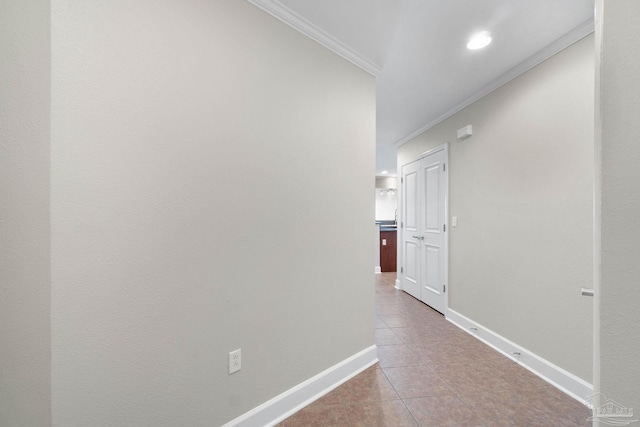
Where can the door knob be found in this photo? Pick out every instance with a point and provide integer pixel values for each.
(418, 237)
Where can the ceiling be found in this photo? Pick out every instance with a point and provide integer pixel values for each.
(417, 50)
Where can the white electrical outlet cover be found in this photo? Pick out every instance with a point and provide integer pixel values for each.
(235, 361)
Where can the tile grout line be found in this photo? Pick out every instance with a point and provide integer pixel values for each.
(394, 387)
(401, 399)
(410, 346)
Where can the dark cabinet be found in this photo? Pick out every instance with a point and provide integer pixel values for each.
(388, 245)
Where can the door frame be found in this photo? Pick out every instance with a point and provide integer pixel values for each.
(400, 261)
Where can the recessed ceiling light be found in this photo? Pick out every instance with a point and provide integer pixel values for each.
(384, 172)
(479, 41)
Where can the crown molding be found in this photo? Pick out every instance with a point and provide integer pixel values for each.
(289, 17)
(573, 36)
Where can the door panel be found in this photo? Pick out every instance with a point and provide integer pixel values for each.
(411, 201)
(432, 262)
(412, 269)
(433, 205)
(432, 220)
(412, 264)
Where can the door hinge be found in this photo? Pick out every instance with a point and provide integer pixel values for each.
(401, 269)
(401, 224)
(444, 288)
(444, 167)
(444, 227)
(401, 180)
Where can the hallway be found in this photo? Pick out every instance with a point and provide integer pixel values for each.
(437, 375)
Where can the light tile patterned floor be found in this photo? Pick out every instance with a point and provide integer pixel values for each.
(433, 374)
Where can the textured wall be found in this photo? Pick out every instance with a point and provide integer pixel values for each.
(211, 190)
(521, 188)
(620, 203)
(25, 338)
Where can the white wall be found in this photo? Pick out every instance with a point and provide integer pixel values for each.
(620, 203)
(192, 143)
(25, 337)
(386, 182)
(386, 205)
(521, 188)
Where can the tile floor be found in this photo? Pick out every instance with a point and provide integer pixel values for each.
(437, 375)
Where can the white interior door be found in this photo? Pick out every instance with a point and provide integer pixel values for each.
(432, 224)
(424, 187)
(411, 266)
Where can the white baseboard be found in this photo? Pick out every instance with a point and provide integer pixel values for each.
(296, 398)
(378, 270)
(398, 285)
(563, 380)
